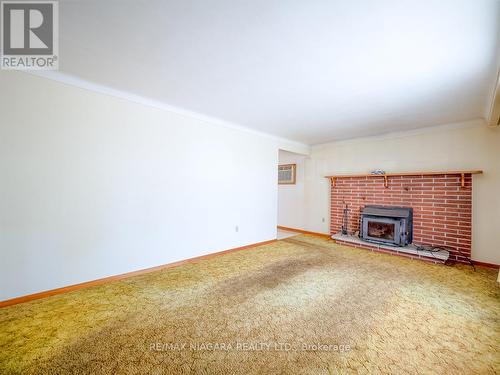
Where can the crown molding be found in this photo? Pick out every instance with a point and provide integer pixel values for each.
(72, 80)
(493, 113)
(407, 133)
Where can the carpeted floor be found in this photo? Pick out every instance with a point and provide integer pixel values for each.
(302, 305)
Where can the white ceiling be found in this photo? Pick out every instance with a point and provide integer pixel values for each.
(310, 71)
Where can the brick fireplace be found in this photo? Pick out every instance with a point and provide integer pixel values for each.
(441, 203)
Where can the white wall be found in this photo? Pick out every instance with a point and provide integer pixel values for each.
(470, 145)
(93, 186)
(291, 211)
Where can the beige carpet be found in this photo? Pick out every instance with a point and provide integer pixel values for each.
(302, 305)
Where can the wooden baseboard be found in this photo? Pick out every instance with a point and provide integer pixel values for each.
(303, 231)
(484, 264)
(70, 288)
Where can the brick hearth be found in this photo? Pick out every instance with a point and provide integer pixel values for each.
(442, 207)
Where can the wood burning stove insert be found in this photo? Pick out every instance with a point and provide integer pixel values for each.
(387, 225)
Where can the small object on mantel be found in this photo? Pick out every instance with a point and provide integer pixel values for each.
(377, 172)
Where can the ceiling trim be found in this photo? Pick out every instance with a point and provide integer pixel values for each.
(75, 81)
(406, 133)
(494, 111)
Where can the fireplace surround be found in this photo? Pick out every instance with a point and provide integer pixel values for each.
(441, 202)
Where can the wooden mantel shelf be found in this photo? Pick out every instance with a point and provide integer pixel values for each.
(462, 174)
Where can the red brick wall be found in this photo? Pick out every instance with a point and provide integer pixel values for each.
(442, 208)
